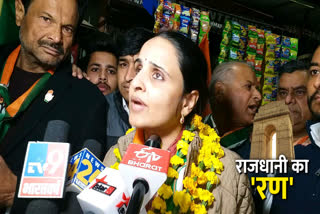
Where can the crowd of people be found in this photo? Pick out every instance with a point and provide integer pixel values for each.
(156, 84)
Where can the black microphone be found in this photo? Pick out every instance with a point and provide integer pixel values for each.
(153, 141)
(94, 147)
(56, 131)
(71, 204)
(42, 206)
(140, 185)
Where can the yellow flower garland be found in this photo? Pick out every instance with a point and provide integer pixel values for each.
(197, 192)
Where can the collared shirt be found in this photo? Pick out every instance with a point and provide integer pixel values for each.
(125, 106)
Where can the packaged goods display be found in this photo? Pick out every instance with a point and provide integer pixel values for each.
(191, 22)
(262, 49)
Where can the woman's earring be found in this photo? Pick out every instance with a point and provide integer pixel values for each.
(182, 119)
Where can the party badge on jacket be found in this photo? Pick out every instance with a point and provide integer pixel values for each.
(3, 105)
(49, 96)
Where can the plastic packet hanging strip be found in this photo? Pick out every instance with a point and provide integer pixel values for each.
(176, 20)
(227, 26)
(204, 24)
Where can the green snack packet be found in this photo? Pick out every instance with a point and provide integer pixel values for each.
(251, 57)
(293, 54)
(224, 51)
(233, 54)
(294, 44)
(204, 24)
(236, 26)
(221, 60)
(258, 65)
(227, 26)
(244, 31)
(235, 40)
(226, 36)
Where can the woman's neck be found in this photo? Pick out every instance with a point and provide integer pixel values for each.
(167, 136)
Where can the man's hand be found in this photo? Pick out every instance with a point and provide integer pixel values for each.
(8, 184)
(76, 72)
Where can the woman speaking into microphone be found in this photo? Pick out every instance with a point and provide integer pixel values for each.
(166, 98)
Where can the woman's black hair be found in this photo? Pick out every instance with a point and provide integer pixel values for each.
(193, 67)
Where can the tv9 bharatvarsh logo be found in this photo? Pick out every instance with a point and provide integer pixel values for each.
(44, 170)
(145, 157)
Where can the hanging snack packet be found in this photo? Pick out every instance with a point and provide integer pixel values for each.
(158, 13)
(277, 51)
(194, 30)
(233, 54)
(270, 52)
(204, 24)
(294, 44)
(286, 41)
(224, 51)
(266, 94)
(270, 39)
(258, 65)
(277, 38)
(251, 57)
(241, 54)
(252, 42)
(293, 54)
(252, 38)
(226, 36)
(285, 53)
(158, 16)
(227, 26)
(269, 66)
(186, 11)
(236, 26)
(195, 18)
(221, 60)
(235, 40)
(274, 93)
(176, 20)
(243, 31)
(243, 43)
(194, 35)
(184, 25)
(268, 79)
(260, 33)
(284, 61)
(252, 28)
(260, 47)
(277, 65)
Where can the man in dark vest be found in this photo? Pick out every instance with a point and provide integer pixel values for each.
(37, 87)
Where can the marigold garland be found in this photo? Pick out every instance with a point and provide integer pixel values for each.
(197, 192)
(196, 195)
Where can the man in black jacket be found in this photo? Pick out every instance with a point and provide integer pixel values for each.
(37, 87)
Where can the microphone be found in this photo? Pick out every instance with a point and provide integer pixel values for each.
(44, 169)
(94, 147)
(56, 131)
(42, 206)
(106, 194)
(144, 169)
(84, 166)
